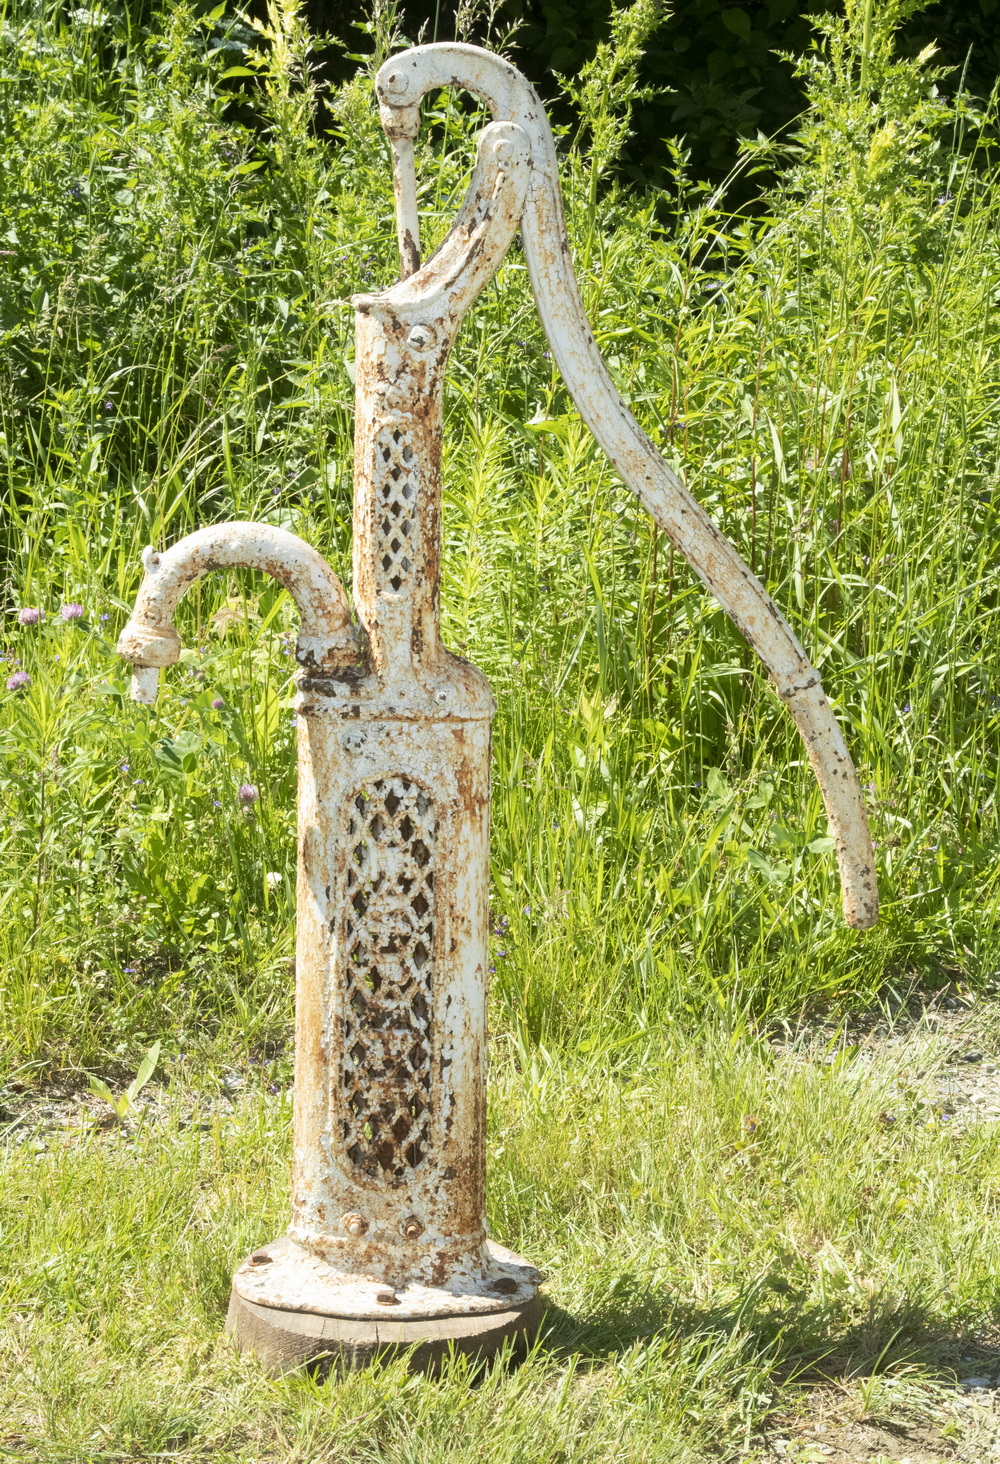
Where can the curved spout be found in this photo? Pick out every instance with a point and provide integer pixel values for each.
(327, 639)
(400, 84)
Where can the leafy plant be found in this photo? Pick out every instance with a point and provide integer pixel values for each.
(121, 1106)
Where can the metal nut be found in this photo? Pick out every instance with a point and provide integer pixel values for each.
(506, 149)
(422, 337)
(260, 1258)
(354, 1224)
(354, 741)
(386, 1297)
(394, 84)
(410, 1227)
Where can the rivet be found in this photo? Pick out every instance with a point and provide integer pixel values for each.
(386, 1297)
(411, 1227)
(422, 337)
(354, 1224)
(394, 83)
(442, 694)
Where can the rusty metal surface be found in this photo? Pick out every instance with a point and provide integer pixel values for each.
(394, 755)
(400, 84)
(294, 1279)
(389, 1153)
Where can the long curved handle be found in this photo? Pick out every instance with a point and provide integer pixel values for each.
(400, 84)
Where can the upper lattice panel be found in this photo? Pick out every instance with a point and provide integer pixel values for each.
(396, 481)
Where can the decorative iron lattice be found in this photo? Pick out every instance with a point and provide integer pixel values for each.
(396, 481)
(391, 828)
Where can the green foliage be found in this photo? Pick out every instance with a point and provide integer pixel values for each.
(181, 237)
(714, 73)
(178, 350)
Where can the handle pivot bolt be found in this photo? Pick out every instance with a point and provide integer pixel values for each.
(422, 337)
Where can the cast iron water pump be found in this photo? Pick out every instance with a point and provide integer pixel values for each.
(387, 1244)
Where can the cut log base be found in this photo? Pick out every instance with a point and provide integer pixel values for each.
(283, 1341)
(306, 1314)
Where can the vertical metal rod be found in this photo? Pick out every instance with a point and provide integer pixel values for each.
(404, 177)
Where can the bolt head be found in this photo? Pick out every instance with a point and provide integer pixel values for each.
(422, 337)
(442, 694)
(385, 1296)
(354, 741)
(354, 1224)
(410, 1228)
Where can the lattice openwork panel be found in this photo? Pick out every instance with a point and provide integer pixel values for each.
(389, 977)
(396, 481)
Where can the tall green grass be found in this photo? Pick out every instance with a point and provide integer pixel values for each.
(180, 236)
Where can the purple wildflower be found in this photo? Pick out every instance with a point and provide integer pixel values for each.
(29, 616)
(248, 793)
(71, 612)
(217, 704)
(20, 681)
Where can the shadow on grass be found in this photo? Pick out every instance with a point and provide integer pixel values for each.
(794, 1343)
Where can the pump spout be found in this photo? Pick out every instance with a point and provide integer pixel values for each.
(327, 642)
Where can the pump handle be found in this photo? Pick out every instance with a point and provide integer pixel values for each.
(400, 84)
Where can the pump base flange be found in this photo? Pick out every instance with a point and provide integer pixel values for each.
(283, 1341)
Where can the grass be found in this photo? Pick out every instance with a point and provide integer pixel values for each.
(722, 1227)
(181, 229)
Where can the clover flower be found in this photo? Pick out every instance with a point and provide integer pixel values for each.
(217, 705)
(248, 793)
(29, 616)
(71, 612)
(20, 681)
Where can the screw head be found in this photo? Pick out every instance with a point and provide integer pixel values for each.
(354, 1224)
(422, 337)
(411, 1227)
